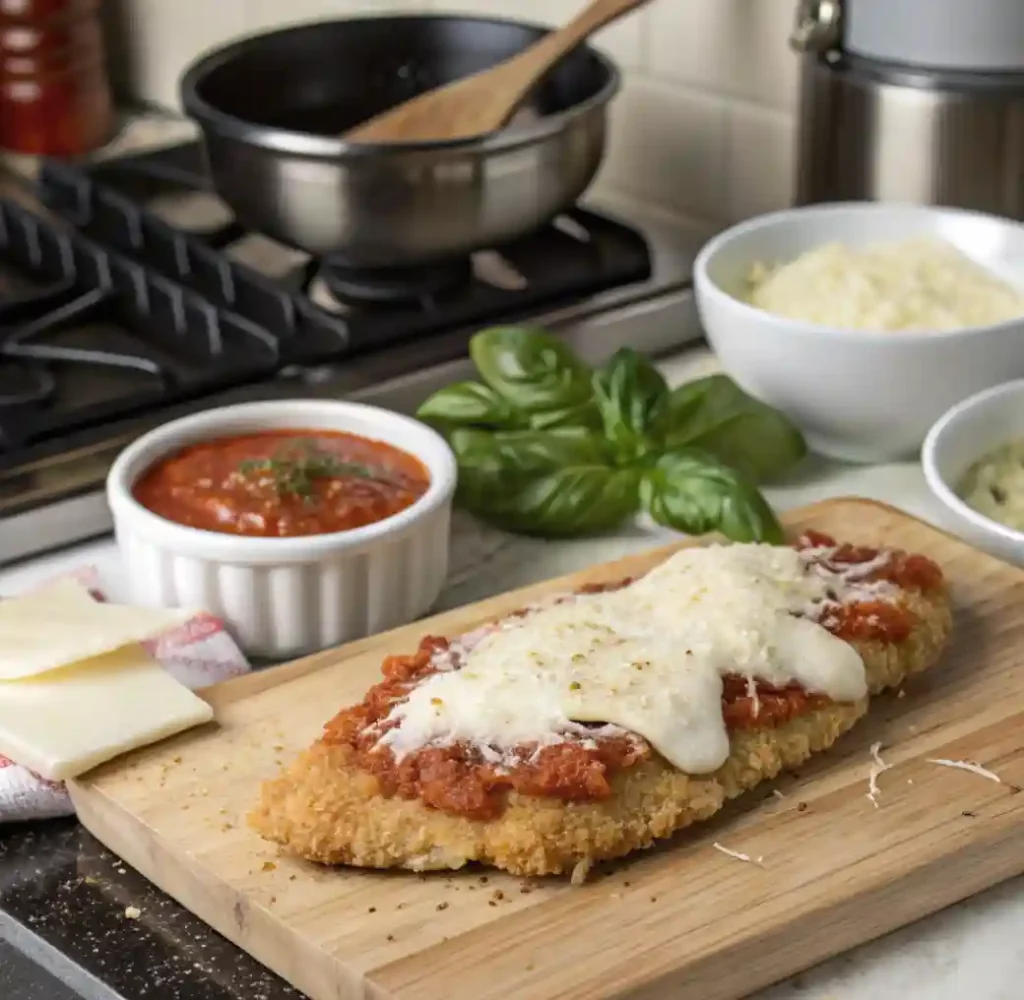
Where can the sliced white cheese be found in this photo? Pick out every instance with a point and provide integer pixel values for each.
(66, 721)
(61, 624)
(60, 593)
(648, 659)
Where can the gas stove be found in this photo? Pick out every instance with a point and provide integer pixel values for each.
(129, 295)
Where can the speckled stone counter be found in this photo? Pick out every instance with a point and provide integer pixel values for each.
(71, 907)
(22, 979)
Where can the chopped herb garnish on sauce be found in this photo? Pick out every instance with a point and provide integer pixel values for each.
(283, 483)
(295, 468)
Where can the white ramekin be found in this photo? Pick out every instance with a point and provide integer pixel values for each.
(285, 596)
(967, 432)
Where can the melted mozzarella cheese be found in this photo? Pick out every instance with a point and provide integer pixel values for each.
(647, 659)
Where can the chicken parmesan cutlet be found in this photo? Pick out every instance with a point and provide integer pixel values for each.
(596, 722)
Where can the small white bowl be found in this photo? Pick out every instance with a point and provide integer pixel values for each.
(858, 395)
(286, 596)
(969, 431)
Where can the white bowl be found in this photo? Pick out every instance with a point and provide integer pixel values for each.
(969, 431)
(285, 596)
(860, 396)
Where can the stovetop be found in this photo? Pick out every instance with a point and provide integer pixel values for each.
(168, 298)
(135, 297)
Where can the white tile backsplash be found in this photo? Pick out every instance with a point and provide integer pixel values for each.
(703, 129)
(265, 14)
(624, 41)
(761, 161)
(736, 48)
(163, 36)
(669, 147)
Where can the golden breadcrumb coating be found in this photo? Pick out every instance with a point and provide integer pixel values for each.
(325, 808)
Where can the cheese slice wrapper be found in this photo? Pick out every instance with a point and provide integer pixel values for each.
(64, 722)
(62, 625)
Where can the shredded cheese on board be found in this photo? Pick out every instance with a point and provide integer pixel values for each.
(580, 872)
(647, 659)
(967, 765)
(738, 856)
(878, 766)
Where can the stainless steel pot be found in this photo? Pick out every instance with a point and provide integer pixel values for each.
(899, 103)
(270, 108)
(886, 135)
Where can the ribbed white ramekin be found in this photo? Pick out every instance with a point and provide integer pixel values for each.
(286, 596)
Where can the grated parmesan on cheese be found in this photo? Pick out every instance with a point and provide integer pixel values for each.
(914, 285)
(647, 659)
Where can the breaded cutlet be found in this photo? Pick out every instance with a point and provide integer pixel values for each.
(328, 807)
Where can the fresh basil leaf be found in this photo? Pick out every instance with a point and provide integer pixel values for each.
(531, 369)
(492, 463)
(693, 492)
(587, 416)
(582, 500)
(467, 403)
(525, 452)
(632, 397)
(715, 415)
(553, 483)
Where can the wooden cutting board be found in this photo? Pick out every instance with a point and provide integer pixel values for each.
(684, 921)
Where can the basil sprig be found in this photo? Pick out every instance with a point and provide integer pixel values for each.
(547, 446)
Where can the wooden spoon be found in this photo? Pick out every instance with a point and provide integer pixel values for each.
(485, 101)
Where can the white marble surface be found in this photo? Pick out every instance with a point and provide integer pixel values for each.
(973, 951)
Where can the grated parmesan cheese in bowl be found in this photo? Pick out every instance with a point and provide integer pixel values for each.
(864, 321)
(922, 284)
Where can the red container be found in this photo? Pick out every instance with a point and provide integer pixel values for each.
(54, 90)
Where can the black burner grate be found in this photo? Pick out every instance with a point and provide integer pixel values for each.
(420, 287)
(118, 203)
(24, 385)
(87, 335)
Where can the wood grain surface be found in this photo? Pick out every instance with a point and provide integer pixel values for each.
(683, 921)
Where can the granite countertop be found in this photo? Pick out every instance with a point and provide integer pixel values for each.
(63, 897)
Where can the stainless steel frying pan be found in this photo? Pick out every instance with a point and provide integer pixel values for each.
(271, 107)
